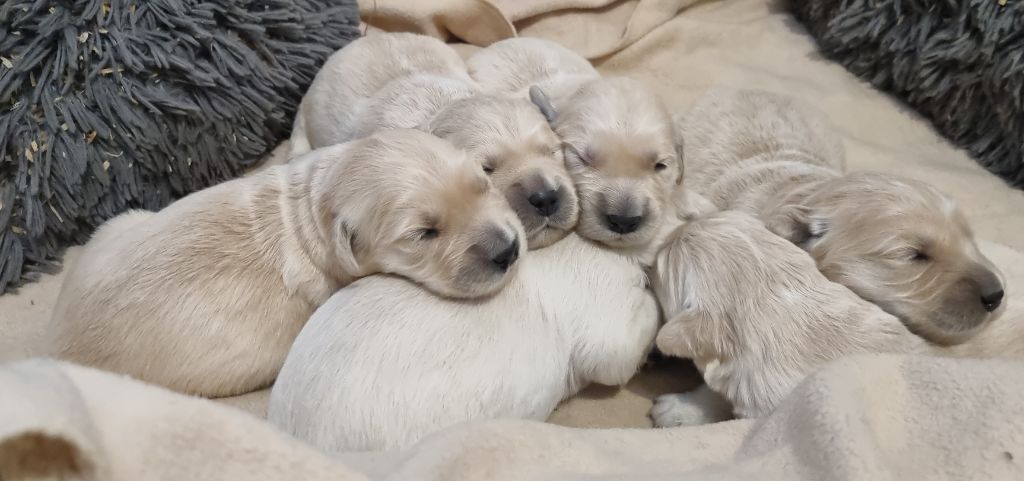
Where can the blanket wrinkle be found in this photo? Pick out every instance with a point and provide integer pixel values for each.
(592, 28)
(117, 428)
(869, 417)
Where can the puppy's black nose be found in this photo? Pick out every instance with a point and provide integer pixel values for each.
(507, 257)
(623, 224)
(992, 300)
(546, 202)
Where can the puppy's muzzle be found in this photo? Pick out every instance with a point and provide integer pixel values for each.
(623, 212)
(546, 202)
(508, 256)
(622, 224)
(992, 294)
(992, 301)
(990, 289)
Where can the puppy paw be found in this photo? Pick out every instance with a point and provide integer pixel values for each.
(701, 406)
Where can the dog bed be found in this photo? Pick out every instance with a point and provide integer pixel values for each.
(960, 63)
(109, 105)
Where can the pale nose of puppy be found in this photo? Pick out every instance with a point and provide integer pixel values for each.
(992, 300)
(546, 201)
(622, 224)
(507, 257)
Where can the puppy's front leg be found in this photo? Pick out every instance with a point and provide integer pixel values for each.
(678, 336)
(693, 408)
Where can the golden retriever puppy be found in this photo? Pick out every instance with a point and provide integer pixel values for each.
(384, 363)
(620, 145)
(206, 296)
(343, 89)
(512, 66)
(523, 157)
(756, 316)
(422, 84)
(410, 102)
(896, 242)
(621, 152)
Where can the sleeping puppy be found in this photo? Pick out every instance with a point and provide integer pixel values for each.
(896, 242)
(344, 87)
(410, 101)
(618, 138)
(756, 316)
(384, 362)
(206, 295)
(512, 66)
(516, 147)
(424, 85)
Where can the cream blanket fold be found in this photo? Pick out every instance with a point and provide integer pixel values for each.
(62, 421)
(872, 418)
(593, 28)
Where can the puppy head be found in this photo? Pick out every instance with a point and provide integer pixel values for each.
(902, 245)
(621, 152)
(520, 153)
(408, 203)
(727, 286)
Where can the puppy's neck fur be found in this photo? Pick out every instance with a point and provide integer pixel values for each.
(767, 179)
(310, 269)
(645, 254)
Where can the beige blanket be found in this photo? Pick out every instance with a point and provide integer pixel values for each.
(867, 418)
(742, 43)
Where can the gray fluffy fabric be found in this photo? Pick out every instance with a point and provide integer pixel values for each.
(107, 105)
(960, 63)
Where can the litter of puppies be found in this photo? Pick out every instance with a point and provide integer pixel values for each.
(481, 239)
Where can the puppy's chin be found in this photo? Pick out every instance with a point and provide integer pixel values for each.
(592, 228)
(546, 235)
(542, 231)
(945, 328)
(474, 282)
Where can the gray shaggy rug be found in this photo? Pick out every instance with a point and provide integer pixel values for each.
(960, 63)
(107, 105)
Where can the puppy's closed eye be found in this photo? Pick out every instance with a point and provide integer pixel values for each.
(428, 233)
(573, 153)
(912, 254)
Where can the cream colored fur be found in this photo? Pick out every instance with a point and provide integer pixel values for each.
(206, 296)
(521, 154)
(620, 147)
(384, 363)
(393, 80)
(896, 242)
(512, 66)
(757, 317)
(344, 87)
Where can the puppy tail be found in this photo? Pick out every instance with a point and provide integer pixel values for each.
(299, 143)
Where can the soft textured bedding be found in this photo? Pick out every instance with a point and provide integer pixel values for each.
(871, 418)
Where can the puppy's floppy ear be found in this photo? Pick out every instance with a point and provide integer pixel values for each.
(543, 103)
(797, 224)
(345, 247)
(676, 337)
